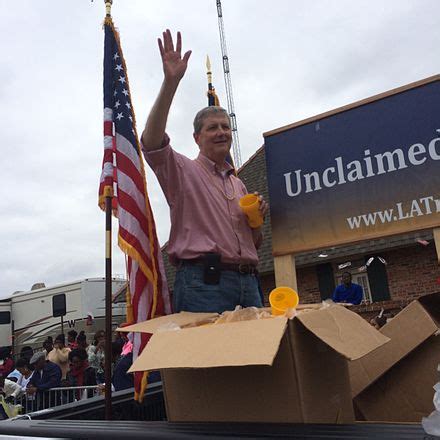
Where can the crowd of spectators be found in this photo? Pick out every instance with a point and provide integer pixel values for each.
(56, 364)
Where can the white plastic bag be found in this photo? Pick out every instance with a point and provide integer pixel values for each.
(431, 424)
(169, 327)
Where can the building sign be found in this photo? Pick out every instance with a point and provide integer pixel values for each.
(364, 171)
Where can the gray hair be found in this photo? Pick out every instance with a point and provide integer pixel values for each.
(204, 113)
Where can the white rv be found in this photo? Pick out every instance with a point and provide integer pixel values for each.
(5, 323)
(49, 311)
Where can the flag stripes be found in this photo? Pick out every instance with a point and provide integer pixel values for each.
(123, 175)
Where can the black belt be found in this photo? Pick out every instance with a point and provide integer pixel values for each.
(247, 269)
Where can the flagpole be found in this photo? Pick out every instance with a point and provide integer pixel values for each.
(108, 284)
(213, 100)
(108, 307)
(211, 92)
(208, 72)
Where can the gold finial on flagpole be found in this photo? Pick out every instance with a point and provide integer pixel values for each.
(208, 69)
(108, 7)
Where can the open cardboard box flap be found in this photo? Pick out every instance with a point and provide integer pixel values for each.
(254, 342)
(346, 332)
(407, 330)
(181, 319)
(431, 304)
(404, 393)
(233, 344)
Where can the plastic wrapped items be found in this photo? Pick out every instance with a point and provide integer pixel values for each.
(168, 327)
(431, 424)
(242, 314)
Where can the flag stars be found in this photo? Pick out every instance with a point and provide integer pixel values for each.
(118, 67)
(117, 104)
(122, 79)
(119, 116)
(131, 118)
(127, 104)
(125, 92)
(115, 56)
(115, 93)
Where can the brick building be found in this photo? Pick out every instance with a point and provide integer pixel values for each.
(407, 267)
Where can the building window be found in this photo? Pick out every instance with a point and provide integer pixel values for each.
(5, 317)
(362, 279)
(326, 280)
(373, 279)
(378, 279)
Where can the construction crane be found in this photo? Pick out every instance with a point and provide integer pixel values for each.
(228, 85)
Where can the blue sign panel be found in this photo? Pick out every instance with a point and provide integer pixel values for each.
(366, 171)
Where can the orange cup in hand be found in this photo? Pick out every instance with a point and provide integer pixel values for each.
(250, 205)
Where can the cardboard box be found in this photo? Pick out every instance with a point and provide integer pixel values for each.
(265, 370)
(405, 392)
(407, 330)
(394, 383)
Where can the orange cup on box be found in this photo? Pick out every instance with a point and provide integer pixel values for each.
(281, 299)
(250, 205)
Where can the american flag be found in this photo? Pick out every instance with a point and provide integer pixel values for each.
(123, 176)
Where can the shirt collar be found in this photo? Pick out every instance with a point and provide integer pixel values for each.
(212, 166)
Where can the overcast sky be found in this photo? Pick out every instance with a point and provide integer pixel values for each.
(289, 60)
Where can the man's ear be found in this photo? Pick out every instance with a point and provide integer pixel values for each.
(196, 138)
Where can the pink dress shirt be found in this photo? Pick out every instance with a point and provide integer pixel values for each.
(202, 218)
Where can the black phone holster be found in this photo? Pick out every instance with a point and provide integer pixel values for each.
(211, 268)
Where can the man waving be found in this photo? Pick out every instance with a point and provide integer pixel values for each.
(211, 243)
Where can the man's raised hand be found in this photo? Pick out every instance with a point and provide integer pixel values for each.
(174, 65)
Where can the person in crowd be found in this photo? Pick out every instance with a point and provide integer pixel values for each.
(122, 379)
(348, 292)
(125, 339)
(211, 242)
(80, 374)
(22, 373)
(26, 353)
(6, 361)
(14, 375)
(71, 339)
(127, 347)
(60, 355)
(47, 346)
(10, 388)
(96, 355)
(81, 340)
(46, 375)
(116, 351)
(121, 337)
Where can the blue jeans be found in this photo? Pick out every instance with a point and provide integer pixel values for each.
(191, 294)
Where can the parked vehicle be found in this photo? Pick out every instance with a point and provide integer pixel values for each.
(5, 323)
(28, 318)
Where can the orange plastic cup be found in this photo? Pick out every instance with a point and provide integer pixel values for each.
(250, 205)
(281, 299)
